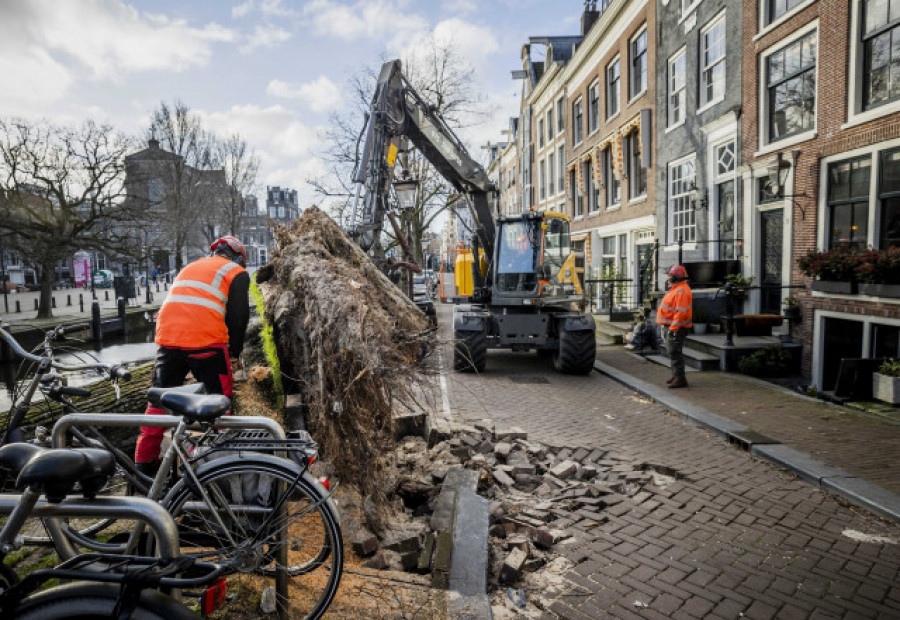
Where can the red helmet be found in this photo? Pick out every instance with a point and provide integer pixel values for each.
(677, 272)
(232, 244)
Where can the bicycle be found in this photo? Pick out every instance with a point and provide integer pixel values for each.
(112, 586)
(290, 528)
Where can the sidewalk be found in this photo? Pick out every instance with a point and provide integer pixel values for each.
(839, 449)
(63, 312)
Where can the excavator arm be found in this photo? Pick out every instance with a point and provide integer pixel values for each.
(398, 112)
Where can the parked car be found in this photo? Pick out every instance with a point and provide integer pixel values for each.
(423, 298)
(103, 278)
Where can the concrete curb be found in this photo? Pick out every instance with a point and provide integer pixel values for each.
(855, 490)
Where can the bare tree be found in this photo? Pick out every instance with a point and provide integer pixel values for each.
(61, 190)
(241, 166)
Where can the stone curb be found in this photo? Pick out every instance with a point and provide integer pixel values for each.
(856, 490)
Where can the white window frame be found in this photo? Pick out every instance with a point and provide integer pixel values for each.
(855, 112)
(551, 130)
(718, 178)
(551, 174)
(629, 142)
(542, 172)
(819, 331)
(560, 115)
(688, 6)
(579, 138)
(561, 169)
(633, 97)
(683, 196)
(763, 27)
(607, 161)
(594, 120)
(680, 54)
(763, 129)
(540, 132)
(703, 103)
(618, 89)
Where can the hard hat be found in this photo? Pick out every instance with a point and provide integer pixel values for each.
(231, 243)
(677, 272)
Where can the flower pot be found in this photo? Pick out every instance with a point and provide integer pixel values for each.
(886, 388)
(834, 286)
(879, 290)
(792, 313)
(700, 328)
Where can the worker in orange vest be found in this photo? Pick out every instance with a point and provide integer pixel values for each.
(674, 315)
(199, 329)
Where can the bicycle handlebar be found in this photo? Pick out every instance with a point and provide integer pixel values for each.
(114, 371)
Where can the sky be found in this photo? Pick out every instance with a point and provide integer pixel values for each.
(271, 70)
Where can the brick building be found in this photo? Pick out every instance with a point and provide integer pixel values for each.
(821, 163)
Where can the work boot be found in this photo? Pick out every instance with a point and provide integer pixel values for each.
(678, 383)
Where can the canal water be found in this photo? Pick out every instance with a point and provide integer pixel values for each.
(134, 348)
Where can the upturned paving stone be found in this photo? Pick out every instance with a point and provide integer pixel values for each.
(512, 566)
(564, 469)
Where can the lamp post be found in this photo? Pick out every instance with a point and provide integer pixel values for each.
(3, 278)
(406, 189)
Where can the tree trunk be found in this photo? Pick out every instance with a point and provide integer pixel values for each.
(45, 306)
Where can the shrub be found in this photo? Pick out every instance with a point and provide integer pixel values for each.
(890, 367)
(771, 361)
(838, 264)
(879, 266)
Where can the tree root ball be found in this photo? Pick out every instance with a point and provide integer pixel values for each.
(349, 342)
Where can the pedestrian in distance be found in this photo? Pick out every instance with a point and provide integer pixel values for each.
(675, 316)
(200, 329)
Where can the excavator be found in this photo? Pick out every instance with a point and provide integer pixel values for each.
(526, 295)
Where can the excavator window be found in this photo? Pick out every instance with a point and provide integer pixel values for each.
(518, 256)
(557, 246)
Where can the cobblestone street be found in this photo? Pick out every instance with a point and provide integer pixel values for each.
(729, 537)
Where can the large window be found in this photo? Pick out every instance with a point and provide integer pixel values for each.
(590, 190)
(540, 133)
(791, 88)
(577, 122)
(637, 176)
(560, 115)
(573, 191)
(579, 196)
(889, 198)
(681, 211)
(543, 177)
(612, 88)
(776, 8)
(638, 77)
(551, 175)
(593, 107)
(881, 52)
(613, 186)
(712, 62)
(561, 166)
(848, 202)
(676, 89)
(550, 125)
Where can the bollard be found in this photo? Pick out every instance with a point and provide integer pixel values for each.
(157, 287)
(53, 302)
(18, 307)
(68, 300)
(107, 295)
(80, 302)
(96, 331)
(120, 304)
(35, 304)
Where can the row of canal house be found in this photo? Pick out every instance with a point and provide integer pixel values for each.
(733, 136)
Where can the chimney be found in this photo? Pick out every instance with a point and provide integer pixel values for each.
(589, 16)
(154, 144)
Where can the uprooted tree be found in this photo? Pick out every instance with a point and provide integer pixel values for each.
(348, 341)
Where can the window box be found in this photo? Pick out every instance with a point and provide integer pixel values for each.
(886, 388)
(834, 287)
(879, 290)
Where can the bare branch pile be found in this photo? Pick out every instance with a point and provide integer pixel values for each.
(348, 340)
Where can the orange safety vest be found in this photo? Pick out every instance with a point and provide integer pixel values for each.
(193, 314)
(675, 310)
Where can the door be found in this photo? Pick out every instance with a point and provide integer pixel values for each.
(645, 269)
(772, 241)
(841, 339)
(725, 219)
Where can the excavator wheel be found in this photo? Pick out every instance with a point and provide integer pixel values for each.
(469, 351)
(577, 352)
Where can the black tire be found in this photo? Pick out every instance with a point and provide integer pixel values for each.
(469, 351)
(314, 544)
(577, 352)
(85, 600)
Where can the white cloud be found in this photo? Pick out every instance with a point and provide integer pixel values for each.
(265, 36)
(321, 95)
(265, 7)
(365, 19)
(462, 7)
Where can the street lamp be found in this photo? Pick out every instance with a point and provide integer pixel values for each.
(406, 191)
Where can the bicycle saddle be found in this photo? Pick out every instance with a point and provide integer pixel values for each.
(196, 407)
(56, 472)
(14, 456)
(154, 394)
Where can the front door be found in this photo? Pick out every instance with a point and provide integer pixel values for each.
(645, 270)
(771, 252)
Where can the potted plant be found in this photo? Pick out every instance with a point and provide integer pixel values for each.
(700, 319)
(741, 285)
(886, 381)
(878, 272)
(833, 271)
(791, 309)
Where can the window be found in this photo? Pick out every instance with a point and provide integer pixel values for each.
(551, 175)
(638, 77)
(712, 62)
(594, 107)
(848, 202)
(155, 191)
(791, 88)
(561, 165)
(576, 122)
(776, 8)
(543, 178)
(723, 197)
(612, 88)
(681, 211)
(676, 89)
(889, 197)
(573, 192)
(637, 176)
(550, 124)
(687, 6)
(590, 190)
(540, 133)
(560, 115)
(881, 52)
(613, 186)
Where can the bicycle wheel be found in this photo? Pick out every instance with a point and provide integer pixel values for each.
(266, 517)
(88, 601)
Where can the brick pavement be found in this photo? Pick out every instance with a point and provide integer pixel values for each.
(730, 537)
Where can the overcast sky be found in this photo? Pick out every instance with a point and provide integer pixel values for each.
(271, 70)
